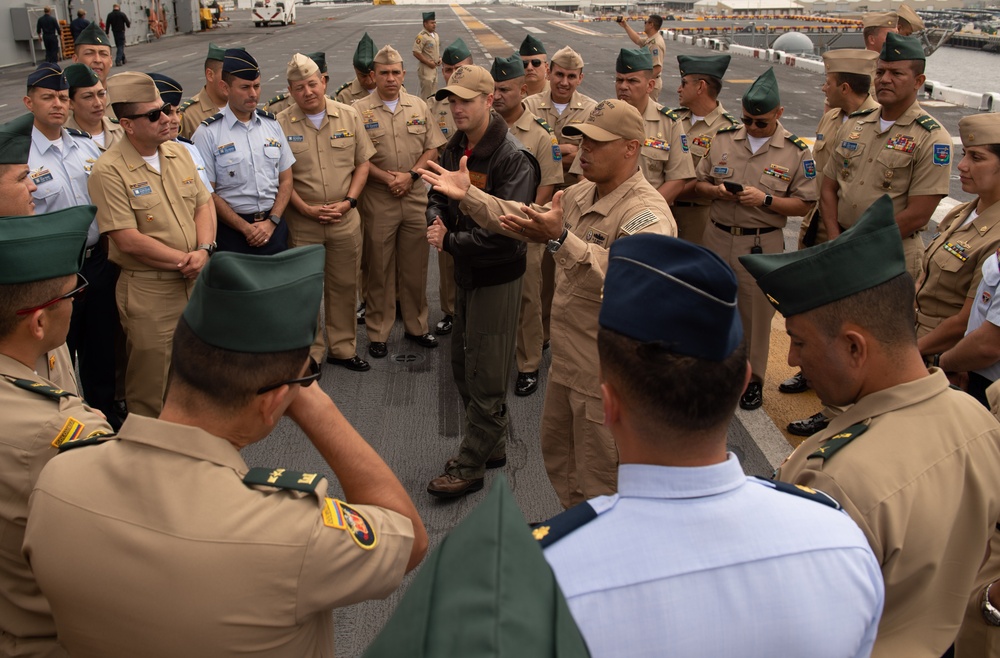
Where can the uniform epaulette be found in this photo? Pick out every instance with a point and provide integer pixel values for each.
(670, 114)
(266, 115)
(863, 113)
(560, 525)
(543, 123)
(212, 119)
(928, 123)
(90, 440)
(795, 139)
(731, 129)
(733, 120)
(838, 441)
(78, 133)
(184, 140)
(283, 479)
(801, 491)
(185, 105)
(44, 390)
(342, 88)
(276, 99)
(114, 120)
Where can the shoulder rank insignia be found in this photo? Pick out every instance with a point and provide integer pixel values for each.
(185, 140)
(266, 115)
(78, 133)
(863, 113)
(544, 124)
(670, 114)
(795, 139)
(212, 119)
(278, 98)
(342, 87)
(733, 120)
(801, 491)
(560, 525)
(92, 439)
(185, 105)
(283, 479)
(44, 390)
(928, 123)
(731, 129)
(838, 441)
(115, 121)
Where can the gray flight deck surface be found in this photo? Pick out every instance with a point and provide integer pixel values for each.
(407, 406)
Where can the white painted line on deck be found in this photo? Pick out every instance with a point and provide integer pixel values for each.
(514, 21)
(574, 28)
(535, 30)
(158, 63)
(189, 55)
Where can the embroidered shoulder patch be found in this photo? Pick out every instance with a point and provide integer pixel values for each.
(942, 154)
(809, 168)
(801, 491)
(71, 430)
(283, 479)
(838, 441)
(560, 525)
(640, 221)
(361, 530)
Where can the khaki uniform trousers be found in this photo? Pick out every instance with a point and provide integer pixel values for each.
(913, 252)
(691, 221)
(337, 336)
(149, 304)
(548, 290)
(446, 284)
(428, 80)
(580, 455)
(395, 237)
(755, 311)
(530, 331)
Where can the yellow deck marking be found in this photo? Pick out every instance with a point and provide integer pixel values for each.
(487, 39)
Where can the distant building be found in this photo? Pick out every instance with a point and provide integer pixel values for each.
(748, 7)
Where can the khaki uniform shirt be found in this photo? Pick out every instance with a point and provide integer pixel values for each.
(174, 555)
(429, 45)
(911, 158)
(399, 137)
(350, 92)
(441, 116)
(195, 110)
(826, 135)
(921, 484)
(701, 132)
(128, 193)
(57, 367)
(577, 111)
(656, 47)
(35, 421)
(581, 263)
(113, 132)
(782, 167)
(953, 263)
(537, 137)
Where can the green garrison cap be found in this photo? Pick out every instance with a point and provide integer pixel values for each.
(507, 68)
(81, 75)
(632, 59)
(531, 46)
(455, 53)
(218, 53)
(93, 35)
(428, 15)
(862, 257)
(15, 139)
(487, 589)
(762, 96)
(898, 48)
(320, 59)
(40, 247)
(258, 304)
(713, 65)
(364, 54)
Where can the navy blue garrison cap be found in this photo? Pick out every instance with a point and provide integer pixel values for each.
(48, 76)
(670, 291)
(170, 90)
(241, 64)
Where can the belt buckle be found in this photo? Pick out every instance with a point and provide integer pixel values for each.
(736, 230)
(260, 216)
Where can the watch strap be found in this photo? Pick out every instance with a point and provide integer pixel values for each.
(414, 175)
(351, 200)
(275, 219)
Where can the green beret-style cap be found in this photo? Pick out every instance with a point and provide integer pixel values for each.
(428, 15)
(531, 46)
(455, 53)
(634, 59)
(47, 246)
(218, 53)
(93, 35)
(713, 65)
(258, 304)
(81, 75)
(762, 96)
(320, 59)
(15, 139)
(862, 257)
(898, 48)
(364, 54)
(507, 68)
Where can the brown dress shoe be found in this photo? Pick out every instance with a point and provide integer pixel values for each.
(449, 486)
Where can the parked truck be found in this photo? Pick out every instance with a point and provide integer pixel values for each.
(266, 12)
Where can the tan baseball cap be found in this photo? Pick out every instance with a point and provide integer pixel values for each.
(467, 82)
(850, 60)
(610, 120)
(132, 87)
(880, 19)
(388, 55)
(568, 59)
(301, 67)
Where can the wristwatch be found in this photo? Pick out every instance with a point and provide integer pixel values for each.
(768, 199)
(553, 245)
(351, 200)
(275, 219)
(414, 175)
(208, 246)
(990, 613)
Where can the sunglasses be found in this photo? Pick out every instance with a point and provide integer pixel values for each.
(313, 376)
(153, 115)
(535, 63)
(760, 123)
(72, 294)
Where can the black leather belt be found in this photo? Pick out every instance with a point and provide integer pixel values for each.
(684, 204)
(255, 216)
(739, 230)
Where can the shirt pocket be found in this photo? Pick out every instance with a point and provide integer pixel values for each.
(146, 206)
(231, 169)
(775, 184)
(846, 157)
(656, 159)
(416, 129)
(340, 143)
(893, 172)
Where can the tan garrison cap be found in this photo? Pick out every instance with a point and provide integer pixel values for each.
(850, 60)
(300, 68)
(907, 14)
(568, 59)
(132, 87)
(610, 120)
(880, 19)
(388, 55)
(467, 82)
(979, 129)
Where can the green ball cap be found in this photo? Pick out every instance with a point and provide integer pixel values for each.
(364, 54)
(455, 53)
(507, 68)
(531, 46)
(762, 96)
(15, 140)
(47, 246)
(81, 75)
(898, 48)
(258, 304)
(713, 65)
(93, 35)
(487, 589)
(634, 59)
(862, 257)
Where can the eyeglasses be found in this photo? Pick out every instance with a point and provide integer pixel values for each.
(72, 294)
(760, 123)
(313, 376)
(533, 62)
(153, 115)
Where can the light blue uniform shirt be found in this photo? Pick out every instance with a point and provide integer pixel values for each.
(986, 308)
(61, 173)
(243, 160)
(199, 163)
(691, 562)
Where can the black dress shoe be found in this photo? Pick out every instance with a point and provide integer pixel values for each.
(808, 426)
(360, 314)
(527, 383)
(753, 397)
(449, 486)
(378, 350)
(355, 363)
(444, 326)
(795, 384)
(426, 340)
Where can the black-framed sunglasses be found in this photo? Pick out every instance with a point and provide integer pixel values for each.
(536, 63)
(313, 376)
(153, 115)
(760, 123)
(72, 294)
